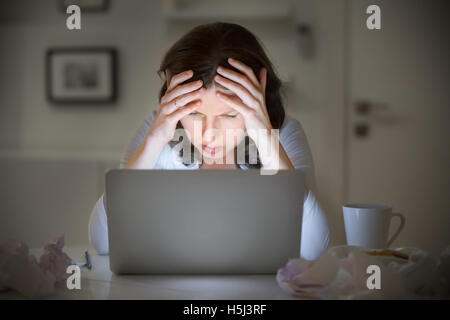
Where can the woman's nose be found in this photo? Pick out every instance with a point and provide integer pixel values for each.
(209, 131)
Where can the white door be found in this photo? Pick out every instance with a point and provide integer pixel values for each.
(398, 136)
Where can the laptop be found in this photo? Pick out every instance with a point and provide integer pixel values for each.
(203, 221)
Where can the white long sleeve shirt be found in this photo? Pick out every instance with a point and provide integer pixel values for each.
(315, 234)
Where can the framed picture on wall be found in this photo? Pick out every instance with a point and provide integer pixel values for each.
(81, 75)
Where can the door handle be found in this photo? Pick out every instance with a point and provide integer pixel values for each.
(363, 109)
(361, 125)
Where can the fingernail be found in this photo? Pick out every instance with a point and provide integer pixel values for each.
(219, 68)
(217, 77)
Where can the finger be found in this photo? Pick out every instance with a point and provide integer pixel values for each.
(245, 69)
(241, 79)
(181, 89)
(182, 100)
(263, 80)
(240, 91)
(179, 78)
(181, 112)
(235, 104)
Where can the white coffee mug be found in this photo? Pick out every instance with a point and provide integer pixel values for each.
(367, 225)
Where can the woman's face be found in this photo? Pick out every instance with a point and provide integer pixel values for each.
(208, 127)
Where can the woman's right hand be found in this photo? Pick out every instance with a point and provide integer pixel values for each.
(177, 102)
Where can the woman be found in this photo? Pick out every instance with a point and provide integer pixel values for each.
(218, 80)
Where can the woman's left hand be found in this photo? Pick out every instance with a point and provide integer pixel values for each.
(251, 103)
(250, 92)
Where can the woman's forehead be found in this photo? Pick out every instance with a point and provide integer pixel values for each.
(212, 104)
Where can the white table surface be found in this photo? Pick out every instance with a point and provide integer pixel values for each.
(101, 283)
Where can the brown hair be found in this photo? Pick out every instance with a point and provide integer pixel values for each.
(208, 46)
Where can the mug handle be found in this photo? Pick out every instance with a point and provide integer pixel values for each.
(400, 228)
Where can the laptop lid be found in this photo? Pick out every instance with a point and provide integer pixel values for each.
(203, 221)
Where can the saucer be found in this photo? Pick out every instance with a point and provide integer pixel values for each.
(342, 252)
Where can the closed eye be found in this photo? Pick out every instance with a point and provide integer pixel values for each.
(231, 116)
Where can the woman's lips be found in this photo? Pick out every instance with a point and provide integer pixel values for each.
(210, 150)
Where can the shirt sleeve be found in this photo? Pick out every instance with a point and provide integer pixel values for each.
(98, 228)
(315, 234)
(137, 139)
(98, 224)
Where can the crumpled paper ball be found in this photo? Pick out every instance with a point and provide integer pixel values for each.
(55, 261)
(20, 271)
(303, 278)
(444, 270)
(334, 276)
(351, 283)
(425, 274)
